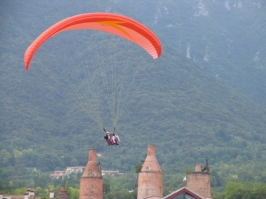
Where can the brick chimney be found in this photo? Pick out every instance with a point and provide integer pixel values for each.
(150, 178)
(62, 194)
(91, 182)
(200, 182)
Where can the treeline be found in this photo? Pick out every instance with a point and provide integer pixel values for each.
(125, 187)
(46, 161)
(238, 190)
(15, 163)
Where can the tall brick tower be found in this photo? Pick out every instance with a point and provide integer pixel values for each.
(91, 181)
(200, 181)
(150, 179)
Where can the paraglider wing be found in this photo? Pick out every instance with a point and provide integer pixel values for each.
(112, 23)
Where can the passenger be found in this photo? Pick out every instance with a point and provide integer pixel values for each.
(111, 138)
(116, 139)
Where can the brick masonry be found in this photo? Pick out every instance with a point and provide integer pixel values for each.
(91, 182)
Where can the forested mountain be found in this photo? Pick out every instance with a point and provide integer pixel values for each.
(203, 98)
(221, 37)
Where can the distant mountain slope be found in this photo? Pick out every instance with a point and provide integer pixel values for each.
(224, 38)
(182, 106)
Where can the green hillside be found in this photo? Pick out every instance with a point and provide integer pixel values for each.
(176, 103)
(223, 38)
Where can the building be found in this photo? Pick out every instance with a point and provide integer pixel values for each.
(150, 180)
(59, 175)
(183, 193)
(29, 194)
(200, 181)
(198, 185)
(62, 194)
(67, 172)
(150, 177)
(77, 169)
(111, 172)
(91, 181)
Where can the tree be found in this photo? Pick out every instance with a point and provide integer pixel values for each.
(73, 192)
(138, 168)
(106, 188)
(237, 190)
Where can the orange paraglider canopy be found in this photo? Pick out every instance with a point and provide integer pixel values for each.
(112, 23)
